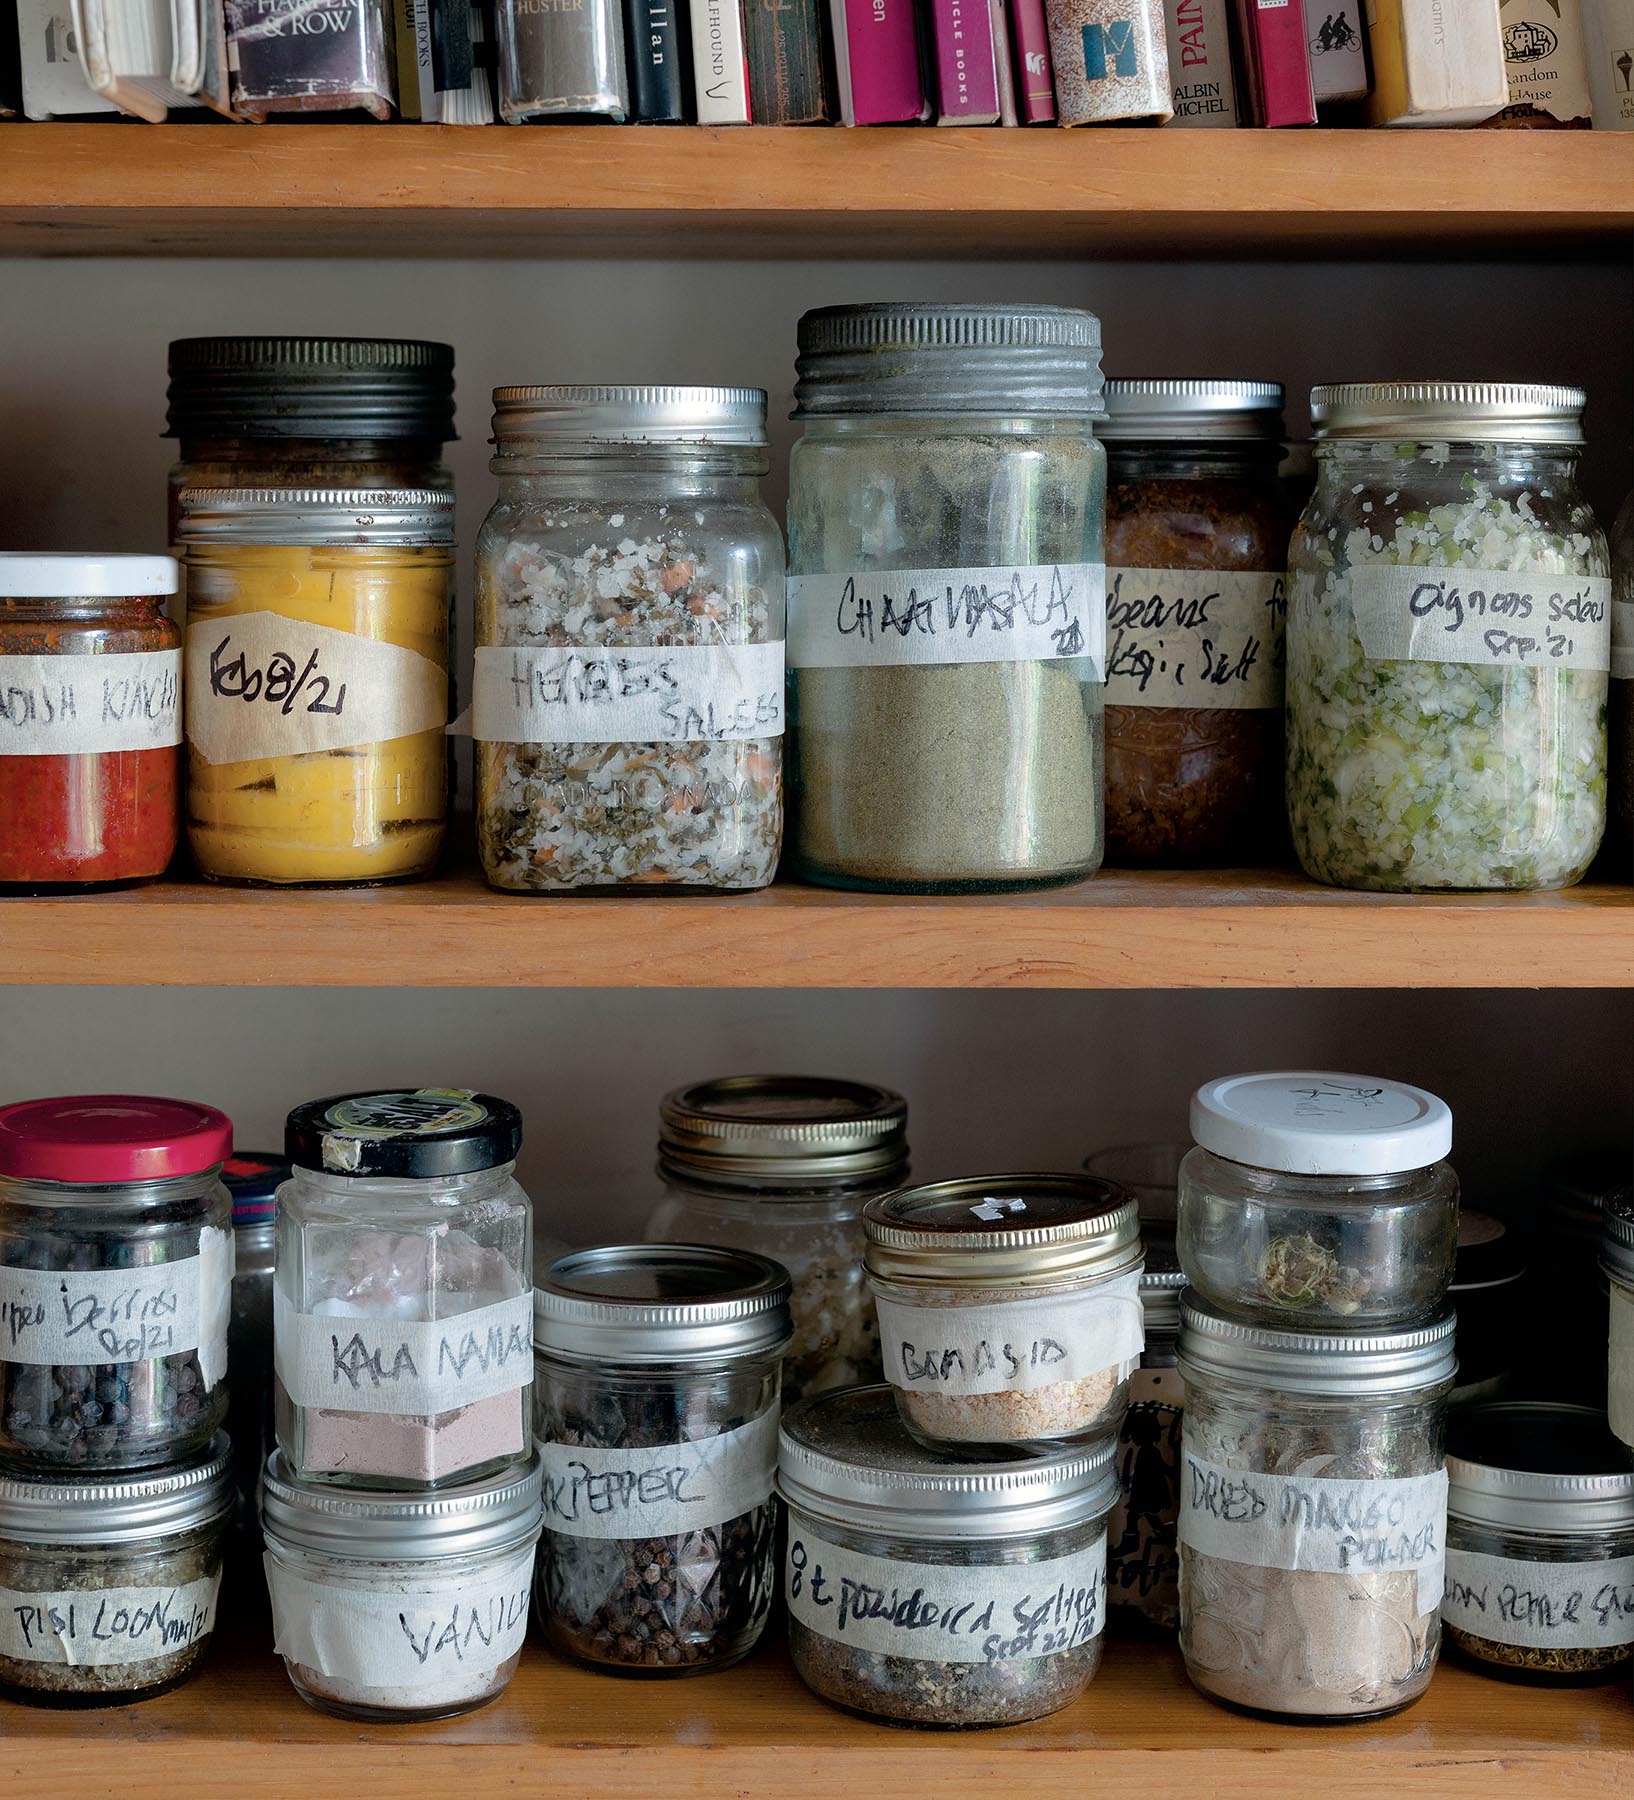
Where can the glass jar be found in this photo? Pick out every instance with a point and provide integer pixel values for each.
(1488, 1296)
(90, 719)
(1009, 1308)
(1197, 530)
(1620, 715)
(402, 1315)
(252, 1180)
(1006, 1564)
(116, 1271)
(628, 698)
(1567, 1287)
(396, 1608)
(108, 1589)
(947, 598)
(1151, 1172)
(782, 1165)
(1448, 642)
(1319, 1200)
(1617, 1261)
(656, 1405)
(317, 712)
(1540, 1543)
(1313, 1512)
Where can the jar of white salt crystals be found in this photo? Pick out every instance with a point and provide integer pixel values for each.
(400, 1607)
(403, 1297)
(1009, 1307)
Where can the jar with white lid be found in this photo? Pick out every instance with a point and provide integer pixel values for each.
(1540, 1543)
(108, 1584)
(1319, 1200)
(1313, 1513)
(1009, 1307)
(116, 1272)
(1617, 1262)
(397, 1607)
(781, 1165)
(402, 1293)
(927, 1590)
(656, 1407)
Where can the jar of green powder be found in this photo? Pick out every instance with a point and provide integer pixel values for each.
(947, 598)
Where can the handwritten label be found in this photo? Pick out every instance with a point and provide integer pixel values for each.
(1008, 613)
(1001, 1346)
(1622, 640)
(682, 694)
(414, 1368)
(92, 1627)
(1543, 1605)
(1491, 618)
(1195, 638)
(1620, 1363)
(1328, 1525)
(662, 1490)
(409, 1632)
(90, 705)
(260, 685)
(1142, 1567)
(946, 1612)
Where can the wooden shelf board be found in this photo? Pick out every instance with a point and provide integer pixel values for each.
(79, 189)
(1213, 929)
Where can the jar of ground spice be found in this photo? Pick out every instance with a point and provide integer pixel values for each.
(929, 1590)
(947, 597)
(1197, 528)
(656, 1406)
(1540, 1543)
(108, 1585)
(116, 1268)
(402, 1304)
(1009, 1308)
(782, 1164)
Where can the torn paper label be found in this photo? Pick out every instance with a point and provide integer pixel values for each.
(95, 1627)
(1541, 1605)
(1195, 638)
(90, 705)
(1488, 618)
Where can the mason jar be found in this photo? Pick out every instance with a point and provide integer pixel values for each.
(628, 700)
(1197, 530)
(1449, 615)
(1009, 1308)
(1617, 1263)
(656, 1407)
(108, 1586)
(1620, 716)
(1319, 1200)
(1540, 1543)
(1006, 1563)
(402, 1291)
(947, 607)
(782, 1165)
(395, 1608)
(1566, 1291)
(1313, 1513)
(116, 1271)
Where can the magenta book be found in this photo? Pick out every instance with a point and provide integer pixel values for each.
(1035, 80)
(967, 73)
(1277, 54)
(876, 54)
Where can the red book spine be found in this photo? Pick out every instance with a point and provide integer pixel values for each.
(1276, 50)
(1035, 79)
(967, 74)
(877, 49)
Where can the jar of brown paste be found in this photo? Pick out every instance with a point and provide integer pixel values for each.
(1197, 529)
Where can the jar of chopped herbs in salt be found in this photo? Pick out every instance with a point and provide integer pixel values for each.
(1449, 637)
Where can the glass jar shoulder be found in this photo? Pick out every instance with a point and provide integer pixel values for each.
(1242, 1426)
(84, 628)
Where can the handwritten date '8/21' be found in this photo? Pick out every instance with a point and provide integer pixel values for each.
(1176, 635)
(1557, 616)
(280, 684)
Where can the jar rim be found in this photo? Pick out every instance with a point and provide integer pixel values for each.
(1330, 1364)
(1499, 1492)
(123, 1509)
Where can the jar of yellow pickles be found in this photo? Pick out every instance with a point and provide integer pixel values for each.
(317, 682)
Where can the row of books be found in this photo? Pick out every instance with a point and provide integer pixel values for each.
(805, 62)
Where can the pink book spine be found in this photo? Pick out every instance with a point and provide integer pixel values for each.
(1035, 79)
(886, 88)
(967, 76)
(1282, 58)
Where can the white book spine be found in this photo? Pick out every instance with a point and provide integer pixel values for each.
(719, 71)
(1608, 30)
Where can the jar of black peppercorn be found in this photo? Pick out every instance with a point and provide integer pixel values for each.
(656, 1398)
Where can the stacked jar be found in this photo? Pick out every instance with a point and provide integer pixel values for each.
(403, 1487)
(1318, 1226)
(116, 1485)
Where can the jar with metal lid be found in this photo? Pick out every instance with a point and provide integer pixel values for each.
(1197, 527)
(90, 719)
(116, 1270)
(252, 1180)
(1009, 1308)
(402, 1292)
(108, 1584)
(1319, 1200)
(947, 613)
(1448, 641)
(317, 707)
(1540, 1543)
(1617, 1262)
(655, 1410)
(1567, 1288)
(928, 1590)
(782, 1164)
(1313, 1513)
(396, 1608)
(1488, 1296)
(628, 698)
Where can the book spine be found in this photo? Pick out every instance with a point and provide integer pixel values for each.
(1035, 74)
(967, 79)
(720, 74)
(1111, 60)
(1546, 62)
(659, 79)
(1608, 30)
(788, 78)
(1436, 62)
(1279, 60)
(405, 55)
(1205, 88)
(474, 104)
(561, 59)
(882, 52)
(1338, 53)
(999, 24)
